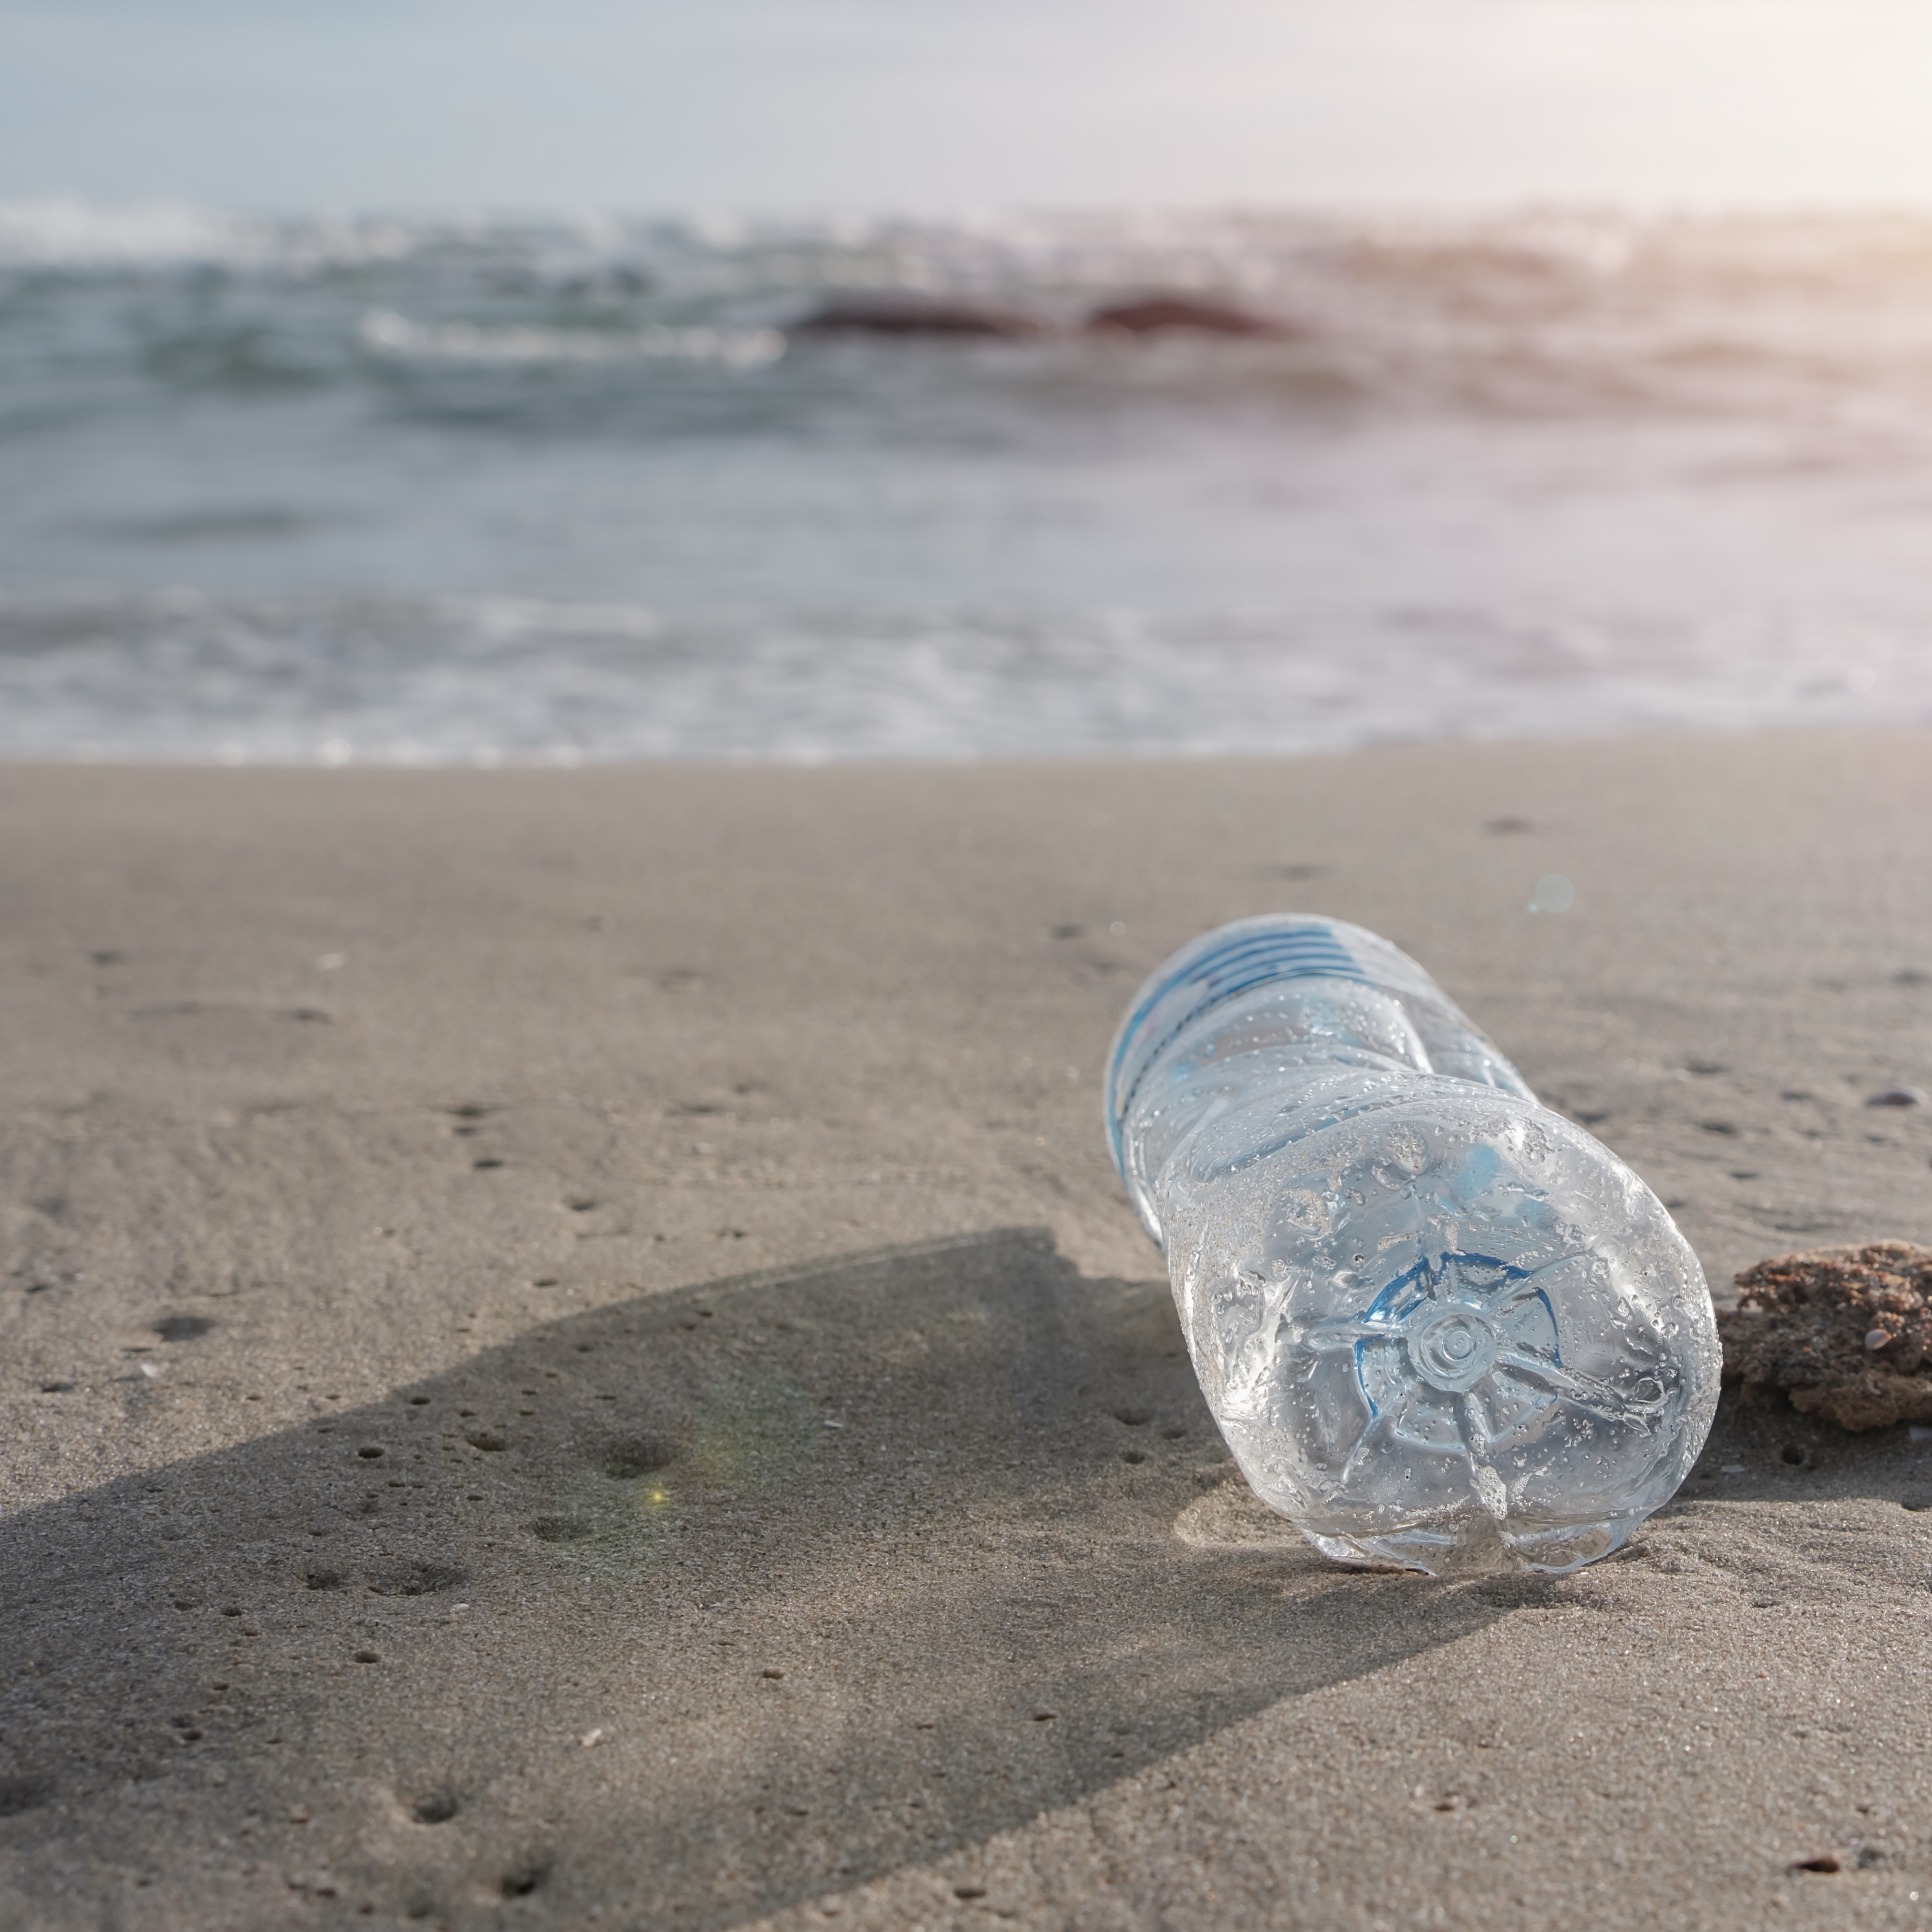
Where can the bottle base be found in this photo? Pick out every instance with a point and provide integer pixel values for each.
(1477, 1546)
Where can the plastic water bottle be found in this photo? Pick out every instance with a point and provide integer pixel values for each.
(1438, 1325)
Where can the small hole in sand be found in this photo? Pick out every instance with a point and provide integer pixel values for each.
(1824, 1863)
(480, 1165)
(182, 1327)
(23, 1794)
(1133, 1417)
(524, 1880)
(1791, 1454)
(1132, 1455)
(437, 1808)
(414, 1579)
(370, 1452)
(631, 1456)
(368, 1657)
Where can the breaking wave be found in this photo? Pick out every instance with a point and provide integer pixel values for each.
(580, 487)
(516, 681)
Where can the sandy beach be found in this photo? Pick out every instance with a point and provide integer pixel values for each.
(573, 1355)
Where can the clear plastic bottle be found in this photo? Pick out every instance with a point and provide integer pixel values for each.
(1438, 1325)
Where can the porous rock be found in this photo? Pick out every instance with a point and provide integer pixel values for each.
(1842, 1333)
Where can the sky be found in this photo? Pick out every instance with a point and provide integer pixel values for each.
(931, 104)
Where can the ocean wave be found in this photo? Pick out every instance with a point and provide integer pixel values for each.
(383, 332)
(1497, 477)
(1485, 254)
(1527, 313)
(62, 233)
(484, 681)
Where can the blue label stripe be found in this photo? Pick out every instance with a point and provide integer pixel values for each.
(1249, 960)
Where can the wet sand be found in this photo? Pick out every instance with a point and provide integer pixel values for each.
(573, 1356)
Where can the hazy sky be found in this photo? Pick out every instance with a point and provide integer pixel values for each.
(940, 103)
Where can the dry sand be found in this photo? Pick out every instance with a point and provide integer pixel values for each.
(573, 1356)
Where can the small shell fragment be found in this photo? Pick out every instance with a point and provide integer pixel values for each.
(1876, 1338)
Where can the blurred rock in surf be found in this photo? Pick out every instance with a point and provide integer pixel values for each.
(1165, 315)
(913, 315)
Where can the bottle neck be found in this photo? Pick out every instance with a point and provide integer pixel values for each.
(1222, 966)
(1277, 1050)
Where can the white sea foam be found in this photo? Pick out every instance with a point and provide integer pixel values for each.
(383, 332)
(64, 233)
(502, 681)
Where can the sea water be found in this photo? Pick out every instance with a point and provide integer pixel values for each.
(564, 488)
